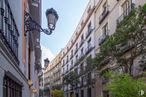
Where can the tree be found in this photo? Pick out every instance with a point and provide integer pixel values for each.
(72, 78)
(57, 93)
(130, 36)
(123, 85)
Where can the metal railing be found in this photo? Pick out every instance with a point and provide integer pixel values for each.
(81, 42)
(103, 37)
(76, 50)
(8, 29)
(89, 32)
(125, 13)
(89, 48)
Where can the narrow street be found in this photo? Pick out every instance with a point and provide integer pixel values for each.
(76, 48)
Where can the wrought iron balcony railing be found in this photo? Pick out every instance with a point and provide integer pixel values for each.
(89, 32)
(81, 42)
(89, 49)
(104, 14)
(8, 29)
(71, 56)
(103, 37)
(125, 13)
(76, 50)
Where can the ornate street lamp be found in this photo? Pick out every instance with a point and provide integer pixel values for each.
(31, 25)
(46, 62)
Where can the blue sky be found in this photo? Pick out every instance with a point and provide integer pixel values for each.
(70, 12)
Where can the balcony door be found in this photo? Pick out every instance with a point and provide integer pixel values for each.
(82, 93)
(89, 92)
(126, 7)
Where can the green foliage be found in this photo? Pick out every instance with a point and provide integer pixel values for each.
(57, 93)
(90, 64)
(123, 85)
(71, 78)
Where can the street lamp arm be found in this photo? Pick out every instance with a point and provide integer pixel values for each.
(31, 25)
(46, 31)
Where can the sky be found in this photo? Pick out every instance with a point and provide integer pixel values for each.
(70, 12)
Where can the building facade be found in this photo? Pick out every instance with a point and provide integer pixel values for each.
(52, 75)
(76, 55)
(99, 21)
(19, 61)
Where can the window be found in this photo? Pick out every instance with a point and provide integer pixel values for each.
(82, 37)
(104, 8)
(71, 54)
(126, 7)
(105, 12)
(11, 88)
(71, 63)
(8, 28)
(82, 40)
(63, 70)
(76, 57)
(81, 68)
(67, 60)
(89, 27)
(105, 29)
(67, 67)
(76, 46)
(89, 43)
(82, 93)
(105, 34)
(89, 92)
(63, 62)
(82, 51)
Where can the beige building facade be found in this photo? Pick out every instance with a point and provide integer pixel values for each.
(98, 22)
(80, 47)
(52, 75)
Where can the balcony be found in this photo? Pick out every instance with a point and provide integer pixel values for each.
(8, 31)
(81, 83)
(76, 50)
(85, 82)
(88, 32)
(104, 15)
(71, 56)
(82, 56)
(80, 59)
(77, 62)
(124, 47)
(125, 13)
(103, 38)
(81, 43)
(89, 48)
(67, 61)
